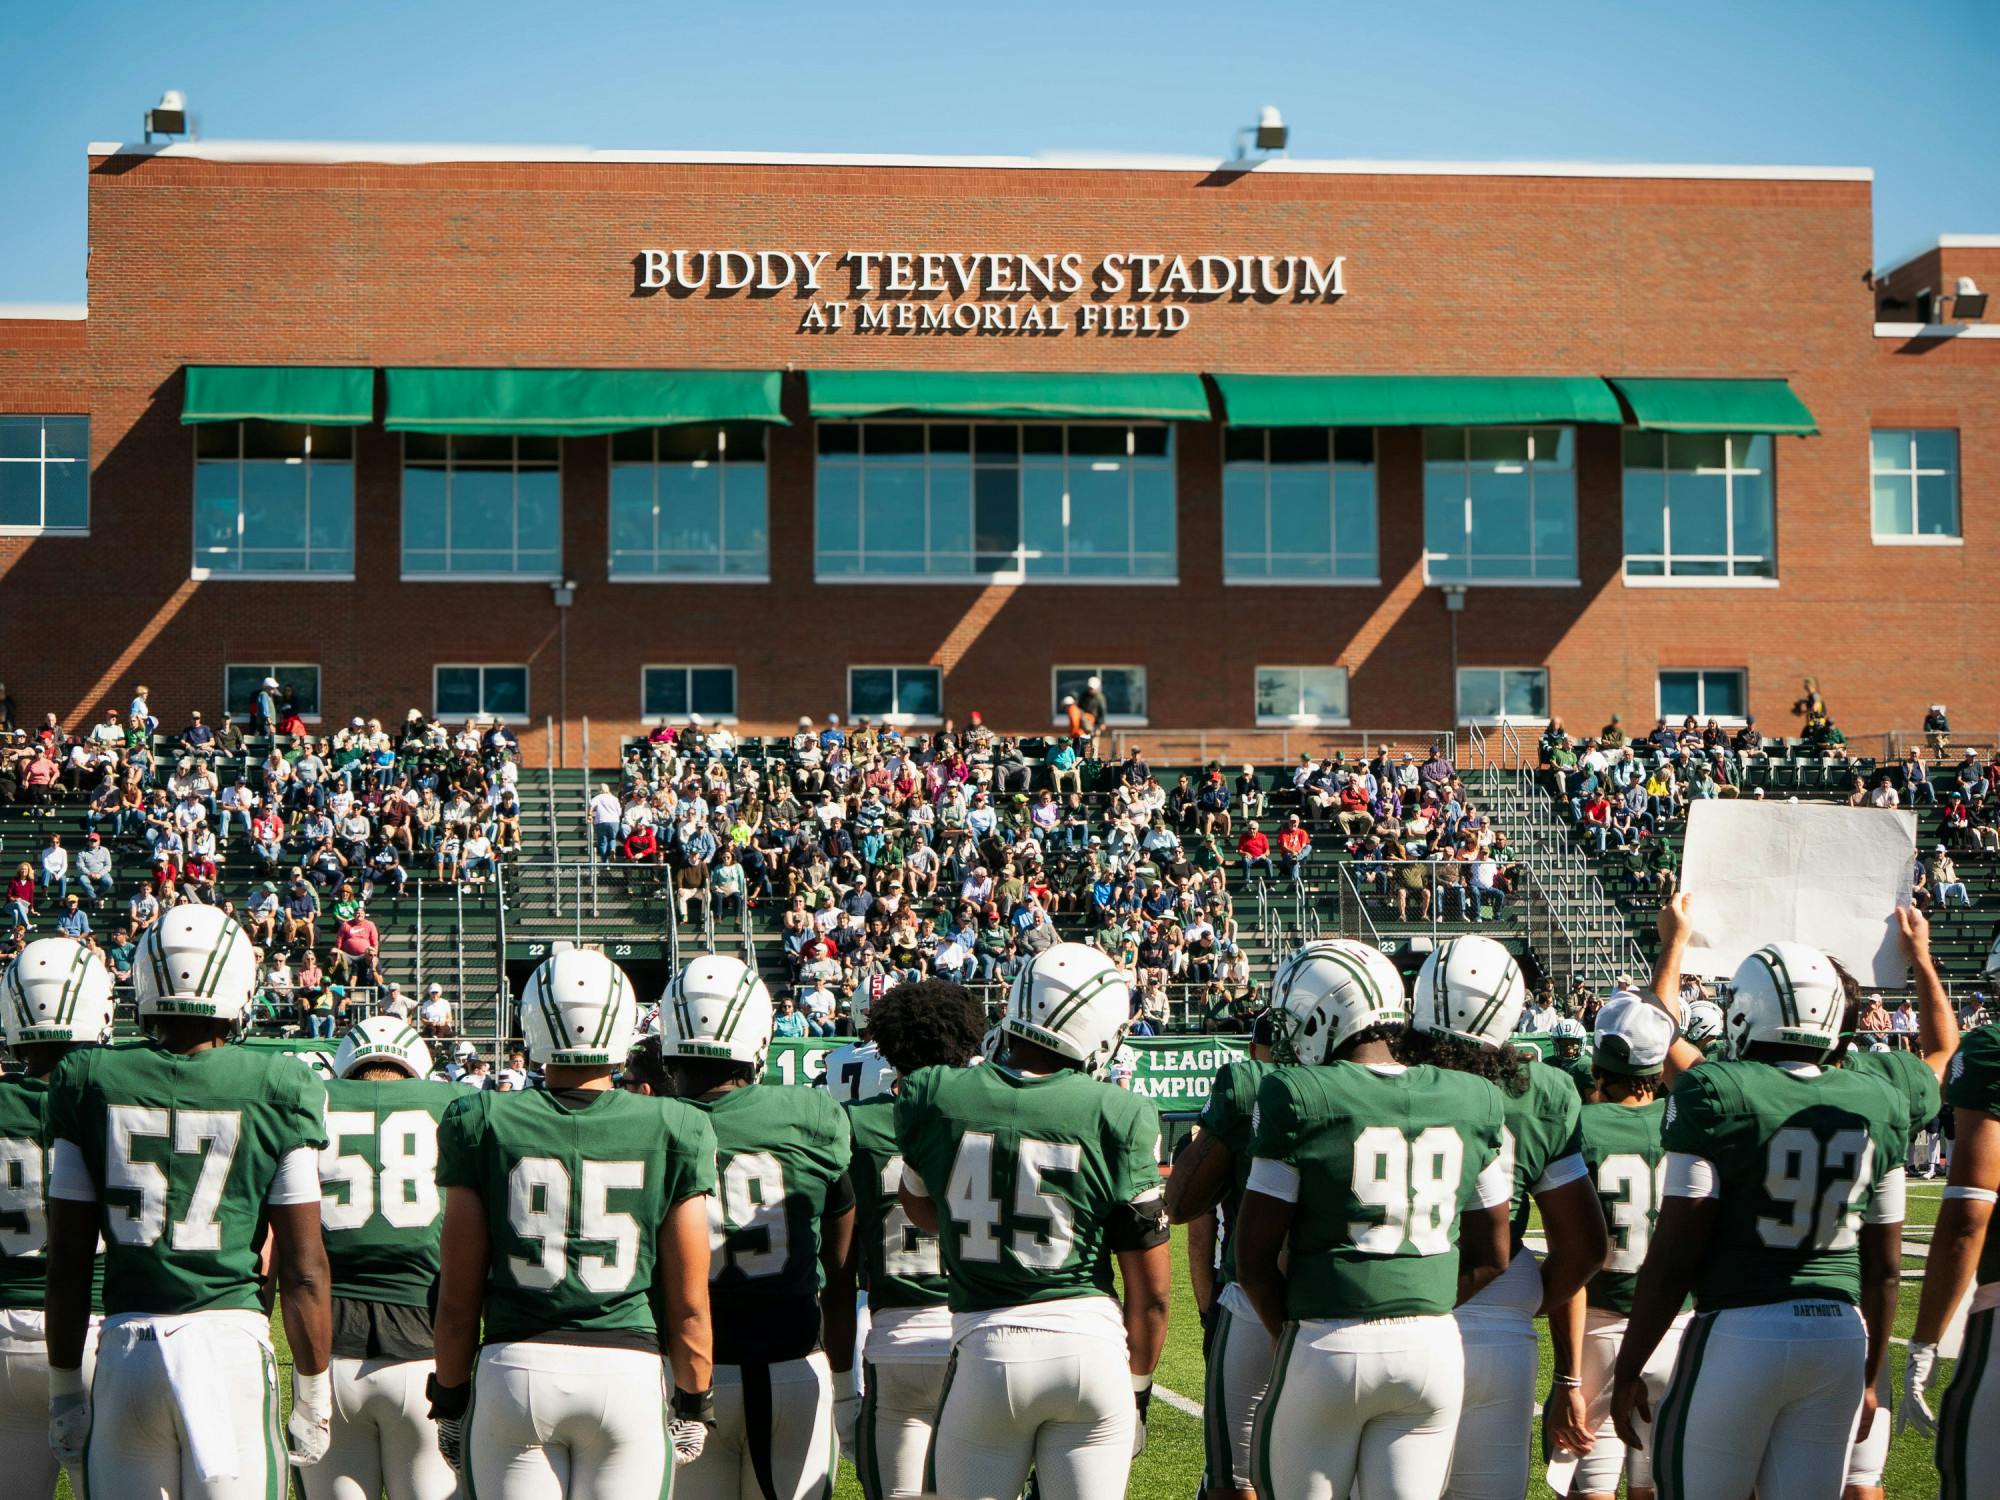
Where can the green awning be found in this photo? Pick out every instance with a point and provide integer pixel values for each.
(1415, 400)
(870, 393)
(332, 396)
(576, 403)
(1716, 406)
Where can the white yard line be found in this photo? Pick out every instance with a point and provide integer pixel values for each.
(1177, 1401)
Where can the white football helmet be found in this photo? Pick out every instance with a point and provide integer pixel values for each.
(1567, 1029)
(1123, 1068)
(1787, 993)
(382, 1039)
(1470, 988)
(316, 1062)
(578, 1011)
(195, 961)
(717, 1007)
(1703, 1021)
(1329, 992)
(1072, 999)
(867, 993)
(56, 990)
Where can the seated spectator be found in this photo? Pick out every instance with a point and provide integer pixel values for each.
(357, 949)
(1294, 849)
(72, 921)
(384, 869)
(480, 863)
(21, 896)
(434, 1018)
(1937, 729)
(93, 871)
(788, 1022)
(301, 910)
(1944, 879)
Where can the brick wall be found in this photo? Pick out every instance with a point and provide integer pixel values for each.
(197, 261)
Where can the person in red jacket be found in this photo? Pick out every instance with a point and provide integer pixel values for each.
(1256, 850)
(1294, 848)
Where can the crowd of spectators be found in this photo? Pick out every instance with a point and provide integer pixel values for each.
(321, 824)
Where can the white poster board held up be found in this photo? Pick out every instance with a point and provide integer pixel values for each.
(1805, 872)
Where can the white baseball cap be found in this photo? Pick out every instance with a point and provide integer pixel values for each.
(1633, 1037)
(437, 989)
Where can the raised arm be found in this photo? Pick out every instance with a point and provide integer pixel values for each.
(1937, 1022)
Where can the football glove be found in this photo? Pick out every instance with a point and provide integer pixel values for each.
(846, 1411)
(689, 1417)
(1142, 1397)
(309, 1432)
(69, 1416)
(1918, 1373)
(449, 1404)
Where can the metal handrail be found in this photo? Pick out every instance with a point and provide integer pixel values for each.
(502, 991)
(586, 815)
(555, 825)
(1366, 922)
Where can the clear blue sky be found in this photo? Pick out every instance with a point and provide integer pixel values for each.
(1907, 91)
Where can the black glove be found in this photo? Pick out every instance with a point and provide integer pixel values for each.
(1142, 1397)
(690, 1419)
(449, 1404)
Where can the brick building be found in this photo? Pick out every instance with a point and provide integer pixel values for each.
(566, 433)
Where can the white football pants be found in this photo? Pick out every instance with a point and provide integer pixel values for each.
(1498, 1421)
(899, 1407)
(1968, 1437)
(384, 1440)
(1022, 1398)
(567, 1422)
(773, 1437)
(1597, 1471)
(1240, 1355)
(27, 1462)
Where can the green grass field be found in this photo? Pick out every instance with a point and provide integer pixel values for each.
(1170, 1468)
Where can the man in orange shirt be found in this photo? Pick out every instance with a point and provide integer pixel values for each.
(1294, 848)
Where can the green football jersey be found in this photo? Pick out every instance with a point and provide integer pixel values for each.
(1543, 1126)
(1797, 1158)
(1909, 1077)
(1628, 1166)
(1386, 1162)
(1579, 1073)
(900, 1260)
(1973, 1082)
(779, 1155)
(575, 1188)
(182, 1150)
(1026, 1170)
(1231, 1107)
(380, 1209)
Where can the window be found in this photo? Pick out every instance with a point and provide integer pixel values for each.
(1705, 693)
(1495, 695)
(468, 692)
(1302, 695)
(1500, 505)
(1124, 692)
(902, 695)
(298, 679)
(1698, 505)
(1298, 505)
(1035, 501)
(689, 502)
(676, 692)
(481, 507)
(273, 497)
(44, 474)
(1914, 472)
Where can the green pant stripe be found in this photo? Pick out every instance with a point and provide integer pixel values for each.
(1670, 1420)
(867, 1462)
(274, 1459)
(1214, 1422)
(1954, 1437)
(944, 1397)
(464, 1467)
(1267, 1418)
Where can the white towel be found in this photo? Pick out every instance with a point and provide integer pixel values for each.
(193, 1349)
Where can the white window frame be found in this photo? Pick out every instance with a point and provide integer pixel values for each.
(1916, 474)
(900, 720)
(42, 461)
(1021, 463)
(689, 669)
(1334, 468)
(1742, 674)
(656, 464)
(450, 465)
(1458, 697)
(276, 669)
(1672, 580)
(1532, 466)
(1302, 720)
(201, 573)
(1111, 721)
(482, 668)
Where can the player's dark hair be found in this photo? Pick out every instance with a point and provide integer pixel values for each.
(1614, 1087)
(1390, 1032)
(931, 1023)
(1850, 1012)
(185, 1033)
(39, 1059)
(692, 1077)
(1502, 1066)
(644, 1064)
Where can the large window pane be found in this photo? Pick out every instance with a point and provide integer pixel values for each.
(1680, 694)
(45, 473)
(274, 497)
(1124, 690)
(457, 691)
(871, 692)
(1310, 695)
(506, 691)
(1699, 505)
(1914, 479)
(1298, 502)
(712, 691)
(1513, 693)
(917, 694)
(688, 501)
(482, 505)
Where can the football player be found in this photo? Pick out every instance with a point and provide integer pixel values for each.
(1782, 1212)
(1209, 1175)
(1621, 1147)
(179, 1150)
(781, 1220)
(855, 1070)
(1568, 1034)
(1377, 1200)
(379, 1213)
(572, 1212)
(1034, 1176)
(54, 997)
(887, 1430)
(1964, 1254)
(1702, 1027)
(1469, 997)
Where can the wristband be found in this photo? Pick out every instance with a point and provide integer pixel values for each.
(843, 1384)
(1566, 1380)
(693, 1406)
(448, 1402)
(65, 1382)
(1141, 1384)
(312, 1390)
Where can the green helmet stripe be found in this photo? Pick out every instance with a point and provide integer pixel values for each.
(163, 982)
(1781, 980)
(610, 1011)
(739, 1000)
(551, 1012)
(212, 966)
(72, 990)
(1081, 996)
